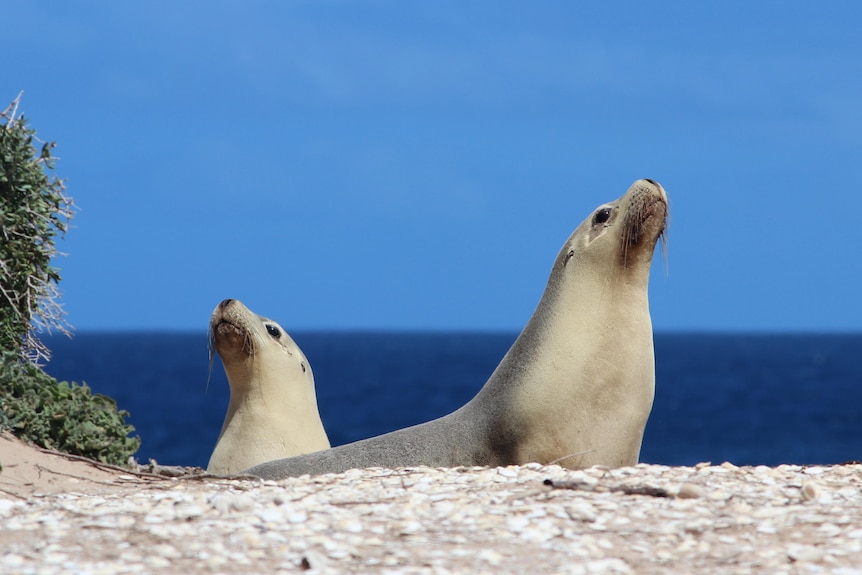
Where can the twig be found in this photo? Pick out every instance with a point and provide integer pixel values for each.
(624, 489)
(72, 475)
(13, 494)
(188, 475)
(197, 476)
(14, 108)
(100, 465)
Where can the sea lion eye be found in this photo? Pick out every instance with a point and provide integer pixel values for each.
(273, 331)
(602, 216)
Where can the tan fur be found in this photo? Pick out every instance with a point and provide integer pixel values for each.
(596, 344)
(273, 407)
(576, 387)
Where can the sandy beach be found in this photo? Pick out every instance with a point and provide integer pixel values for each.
(61, 515)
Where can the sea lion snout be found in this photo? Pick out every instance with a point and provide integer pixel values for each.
(222, 312)
(646, 209)
(653, 190)
(231, 328)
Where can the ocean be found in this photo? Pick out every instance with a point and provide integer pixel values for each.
(745, 398)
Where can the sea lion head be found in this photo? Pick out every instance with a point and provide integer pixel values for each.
(252, 346)
(622, 233)
(272, 411)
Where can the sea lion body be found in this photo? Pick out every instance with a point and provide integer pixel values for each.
(272, 412)
(577, 385)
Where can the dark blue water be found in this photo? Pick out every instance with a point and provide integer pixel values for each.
(749, 399)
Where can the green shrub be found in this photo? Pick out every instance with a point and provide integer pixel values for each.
(33, 211)
(62, 416)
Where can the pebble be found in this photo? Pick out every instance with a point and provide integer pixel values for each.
(807, 553)
(783, 519)
(690, 491)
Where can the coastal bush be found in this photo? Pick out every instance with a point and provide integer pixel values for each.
(34, 210)
(62, 416)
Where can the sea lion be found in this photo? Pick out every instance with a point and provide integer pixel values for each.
(577, 385)
(273, 408)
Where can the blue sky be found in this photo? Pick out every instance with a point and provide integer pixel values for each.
(417, 165)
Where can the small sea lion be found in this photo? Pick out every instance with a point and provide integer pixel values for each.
(273, 407)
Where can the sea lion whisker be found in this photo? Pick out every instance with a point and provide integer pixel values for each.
(628, 232)
(249, 341)
(210, 356)
(664, 254)
(569, 456)
(663, 238)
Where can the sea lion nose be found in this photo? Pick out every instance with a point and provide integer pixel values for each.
(661, 190)
(224, 303)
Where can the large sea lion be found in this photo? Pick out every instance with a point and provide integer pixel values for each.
(577, 385)
(273, 408)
